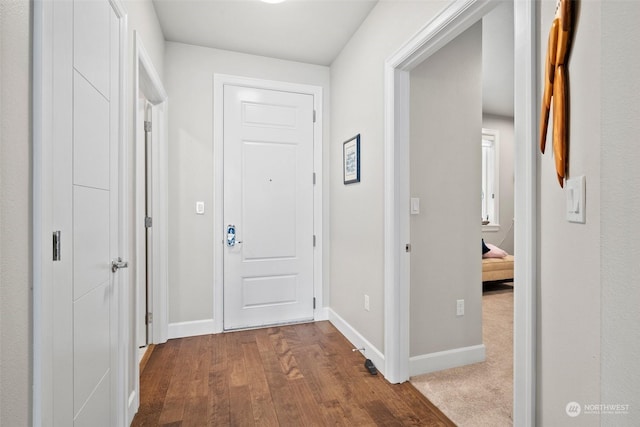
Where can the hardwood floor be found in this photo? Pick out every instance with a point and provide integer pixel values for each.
(299, 375)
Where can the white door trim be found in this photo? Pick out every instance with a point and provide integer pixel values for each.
(147, 81)
(219, 81)
(43, 191)
(456, 18)
(526, 226)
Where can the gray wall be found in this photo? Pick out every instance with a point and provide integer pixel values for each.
(15, 213)
(503, 237)
(569, 257)
(589, 286)
(620, 205)
(445, 164)
(189, 83)
(357, 222)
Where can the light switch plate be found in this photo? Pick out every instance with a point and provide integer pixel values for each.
(200, 208)
(575, 189)
(415, 205)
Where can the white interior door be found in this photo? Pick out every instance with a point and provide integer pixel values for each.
(268, 199)
(86, 116)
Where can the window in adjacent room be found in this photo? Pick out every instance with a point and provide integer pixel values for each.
(490, 201)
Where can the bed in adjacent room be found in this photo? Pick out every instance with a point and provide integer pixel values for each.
(497, 265)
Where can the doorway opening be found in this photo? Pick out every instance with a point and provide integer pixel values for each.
(149, 169)
(453, 21)
(462, 164)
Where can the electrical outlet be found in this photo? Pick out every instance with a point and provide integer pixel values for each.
(460, 307)
(366, 302)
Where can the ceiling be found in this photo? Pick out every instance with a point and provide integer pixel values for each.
(311, 31)
(497, 60)
(315, 31)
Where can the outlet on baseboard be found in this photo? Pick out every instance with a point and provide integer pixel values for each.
(460, 307)
(366, 302)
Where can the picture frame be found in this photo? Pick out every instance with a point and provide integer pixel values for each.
(351, 160)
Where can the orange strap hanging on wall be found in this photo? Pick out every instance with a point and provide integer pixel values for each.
(555, 86)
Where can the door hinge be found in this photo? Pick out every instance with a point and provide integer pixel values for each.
(147, 126)
(56, 246)
(314, 303)
(314, 240)
(314, 116)
(148, 222)
(148, 318)
(407, 247)
(314, 178)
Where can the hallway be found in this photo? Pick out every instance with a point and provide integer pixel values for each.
(297, 375)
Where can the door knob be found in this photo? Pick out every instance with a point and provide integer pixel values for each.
(118, 263)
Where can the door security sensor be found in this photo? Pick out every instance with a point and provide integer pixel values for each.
(367, 363)
(370, 367)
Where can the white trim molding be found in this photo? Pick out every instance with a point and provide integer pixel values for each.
(357, 340)
(219, 81)
(147, 81)
(452, 21)
(433, 362)
(525, 229)
(322, 313)
(191, 329)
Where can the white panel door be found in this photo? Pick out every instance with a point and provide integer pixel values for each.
(86, 112)
(268, 199)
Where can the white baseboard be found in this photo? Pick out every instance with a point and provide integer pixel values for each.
(357, 340)
(132, 407)
(191, 329)
(433, 362)
(209, 326)
(321, 314)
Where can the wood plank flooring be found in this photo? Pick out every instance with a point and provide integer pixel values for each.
(298, 375)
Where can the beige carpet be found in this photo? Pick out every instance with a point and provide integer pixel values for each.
(480, 394)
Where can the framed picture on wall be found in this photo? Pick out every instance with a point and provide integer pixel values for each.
(351, 160)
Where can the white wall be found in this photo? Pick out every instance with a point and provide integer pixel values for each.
(189, 74)
(141, 18)
(620, 204)
(569, 256)
(15, 213)
(357, 222)
(503, 237)
(446, 166)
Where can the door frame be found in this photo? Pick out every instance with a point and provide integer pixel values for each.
(43, 197)
(219, 81)
(453, 20)
(147, 80)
